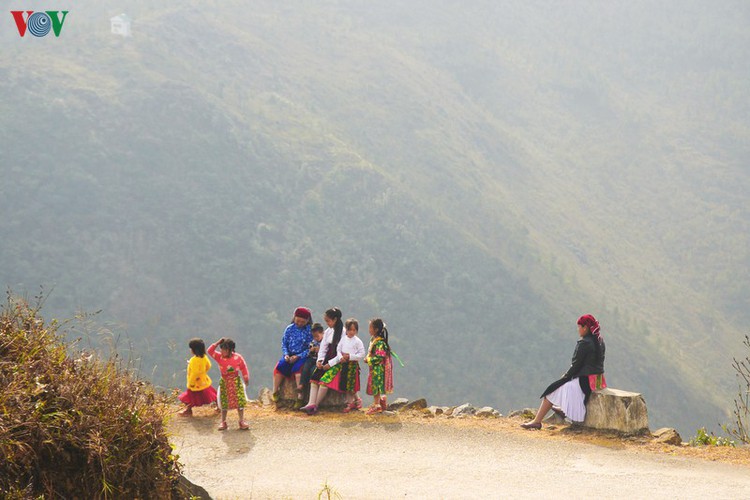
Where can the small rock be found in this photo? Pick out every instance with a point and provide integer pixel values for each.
(264, 396)
(667, 435)
(417, 404)
(487, 412)
(464, 409)
(437, 410)
(526, 413)
(192, 490)
(398, 403)
(554, 419)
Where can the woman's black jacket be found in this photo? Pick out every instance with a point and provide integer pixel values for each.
(585, 362)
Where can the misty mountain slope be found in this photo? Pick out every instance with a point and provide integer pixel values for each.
(479, 177)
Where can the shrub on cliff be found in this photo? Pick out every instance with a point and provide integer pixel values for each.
(75, 428)
(740, 427)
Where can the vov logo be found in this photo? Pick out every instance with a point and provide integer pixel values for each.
(39, 23)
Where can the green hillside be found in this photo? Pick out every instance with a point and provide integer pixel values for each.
(477, 175)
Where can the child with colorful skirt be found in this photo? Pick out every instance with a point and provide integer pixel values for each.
(343, 376)
(380, 381)
(231, 389)
(328, 348)
(294, 349)
(199, 390)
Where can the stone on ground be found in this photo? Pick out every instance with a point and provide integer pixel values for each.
(398, 403)
(417, 404)
(526, 413)
(264, 396)
(667, 435)
(464, 410)
(487, 412)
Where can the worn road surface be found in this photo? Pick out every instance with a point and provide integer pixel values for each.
(294, 456)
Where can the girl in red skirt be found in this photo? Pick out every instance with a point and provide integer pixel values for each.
(199, 390)
(234, 370)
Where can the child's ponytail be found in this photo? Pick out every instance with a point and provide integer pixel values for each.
(381, 331)
(385, 338)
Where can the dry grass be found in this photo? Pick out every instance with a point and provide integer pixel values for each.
(84, 428)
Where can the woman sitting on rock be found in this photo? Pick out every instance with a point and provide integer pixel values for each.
(295, 345)
(568, 396)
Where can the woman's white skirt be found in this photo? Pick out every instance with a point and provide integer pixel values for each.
(570, 399)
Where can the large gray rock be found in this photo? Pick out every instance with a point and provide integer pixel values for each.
(288, 394)
(617, 410)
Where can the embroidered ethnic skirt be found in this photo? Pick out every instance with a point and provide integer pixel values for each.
(232, 394)
(344, 377)
(380, 380)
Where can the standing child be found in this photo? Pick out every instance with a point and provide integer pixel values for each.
(312, 357)
(199, 389)
(380, 381)
(231, 389)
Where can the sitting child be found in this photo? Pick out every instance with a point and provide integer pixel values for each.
(312, 355)
(343, 376)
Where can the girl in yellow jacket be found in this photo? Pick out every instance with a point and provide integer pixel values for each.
(199, 390)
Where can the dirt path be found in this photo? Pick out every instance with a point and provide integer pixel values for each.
(289, 456)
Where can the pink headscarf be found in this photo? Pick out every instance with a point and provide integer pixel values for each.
(591, 322)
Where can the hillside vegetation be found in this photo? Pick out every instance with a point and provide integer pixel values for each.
(478, 175)
(75, 427)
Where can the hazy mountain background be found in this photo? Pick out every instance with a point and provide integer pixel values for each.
(477, 173)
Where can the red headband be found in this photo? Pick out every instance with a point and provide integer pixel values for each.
(303, 312)
(591, 322)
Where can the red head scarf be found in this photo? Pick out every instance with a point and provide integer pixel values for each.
(591, 322)
(303, 312)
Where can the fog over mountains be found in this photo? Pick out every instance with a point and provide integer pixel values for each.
(477, 174)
